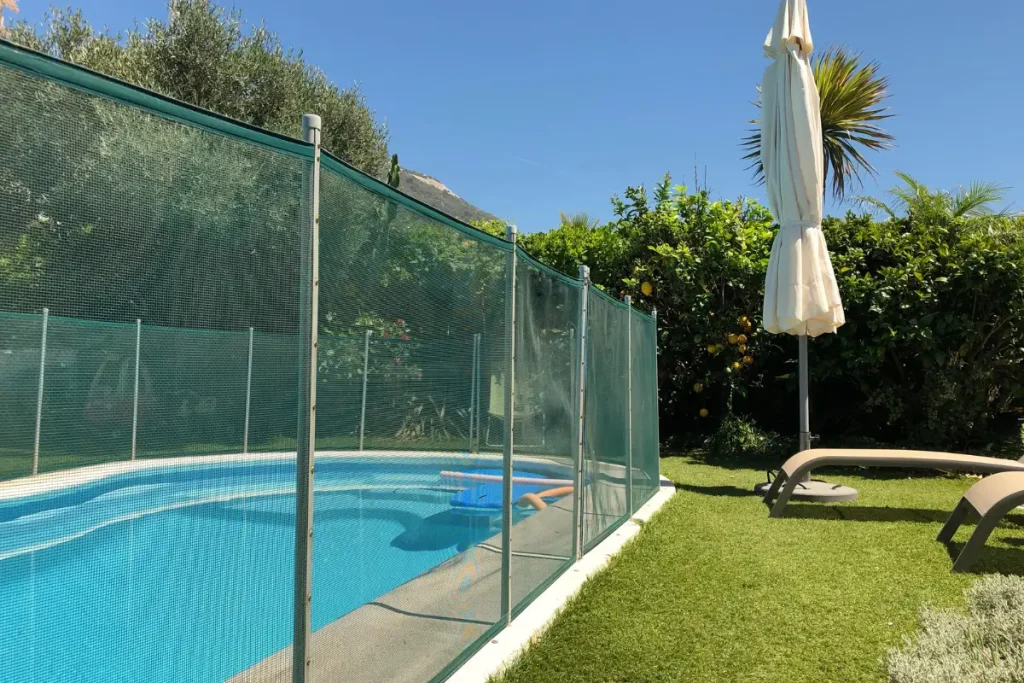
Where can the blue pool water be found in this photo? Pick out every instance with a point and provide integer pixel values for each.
(186, 574)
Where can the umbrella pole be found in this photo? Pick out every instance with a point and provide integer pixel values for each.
(809, 489)
(805, 399)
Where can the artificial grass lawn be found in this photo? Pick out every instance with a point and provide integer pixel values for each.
(713, 590)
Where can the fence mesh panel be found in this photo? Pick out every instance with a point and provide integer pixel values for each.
(160, 544)
(109, 214)
(423, 291)
(192, 392)
(544, 427)
(20, 343)
(88, 393)
(644, 394)
(273, 409)
(606, 422)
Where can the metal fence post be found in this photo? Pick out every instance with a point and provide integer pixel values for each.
(629, 403)
(248, 394)
(657, 404)
(306, 444)
(472, 390)
(657, 407)
(511, 234)
(366, 370)
(581, 369)
(39, 396)
(479, 392)
(135, 392)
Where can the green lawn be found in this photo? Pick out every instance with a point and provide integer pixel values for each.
(714, 590)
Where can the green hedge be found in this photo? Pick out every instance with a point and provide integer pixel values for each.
(932, 354)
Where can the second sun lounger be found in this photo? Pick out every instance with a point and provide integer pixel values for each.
(990, 499)
(801, 464)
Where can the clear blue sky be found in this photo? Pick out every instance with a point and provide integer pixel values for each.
(530, 108)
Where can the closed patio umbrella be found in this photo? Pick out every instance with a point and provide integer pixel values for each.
(801, 297)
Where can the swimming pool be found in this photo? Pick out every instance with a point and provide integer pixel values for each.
(184, 573)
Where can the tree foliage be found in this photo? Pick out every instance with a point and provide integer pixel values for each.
(932, 355)
(915, 197)
(205, 55)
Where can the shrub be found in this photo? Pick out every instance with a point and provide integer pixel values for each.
(932, 353)
(985, 644)
(738, 439)
(934, 345)
(703, 262)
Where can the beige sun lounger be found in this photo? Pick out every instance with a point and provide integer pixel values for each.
(796, 468)
(990, 499)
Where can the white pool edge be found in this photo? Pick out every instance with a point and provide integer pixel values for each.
(61, 479)
(508, 644)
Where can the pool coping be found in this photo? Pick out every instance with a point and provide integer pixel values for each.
(59, 479)
(506, 646)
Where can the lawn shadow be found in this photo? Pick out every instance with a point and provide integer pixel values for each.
(735, 461)
(992, 560)
(717, 491)
(865, 513)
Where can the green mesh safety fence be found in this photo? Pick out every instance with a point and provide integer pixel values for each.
(644, 395)
(151, 347)
(273, 406)
(121, 569)
(546, 414)
(428, 296)
(88, 399)
(192, 397)
(606, 422)
(21, 338)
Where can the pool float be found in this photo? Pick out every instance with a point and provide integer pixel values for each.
(485, 497)
(537, 499)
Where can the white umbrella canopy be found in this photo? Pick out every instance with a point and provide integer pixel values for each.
(801, 296)
(800, 292)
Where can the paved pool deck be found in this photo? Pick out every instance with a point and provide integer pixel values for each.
(411, 633)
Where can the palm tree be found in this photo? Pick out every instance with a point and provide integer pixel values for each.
(579, 221)
(915, 197)
(851, 96)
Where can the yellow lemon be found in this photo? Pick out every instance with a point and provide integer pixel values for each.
(698, 387)
(712, 348)
(704, 412)
(742, 339)
(733, 338)
(735, 366)
(647, 288)
(743, 348)
(748, 359)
